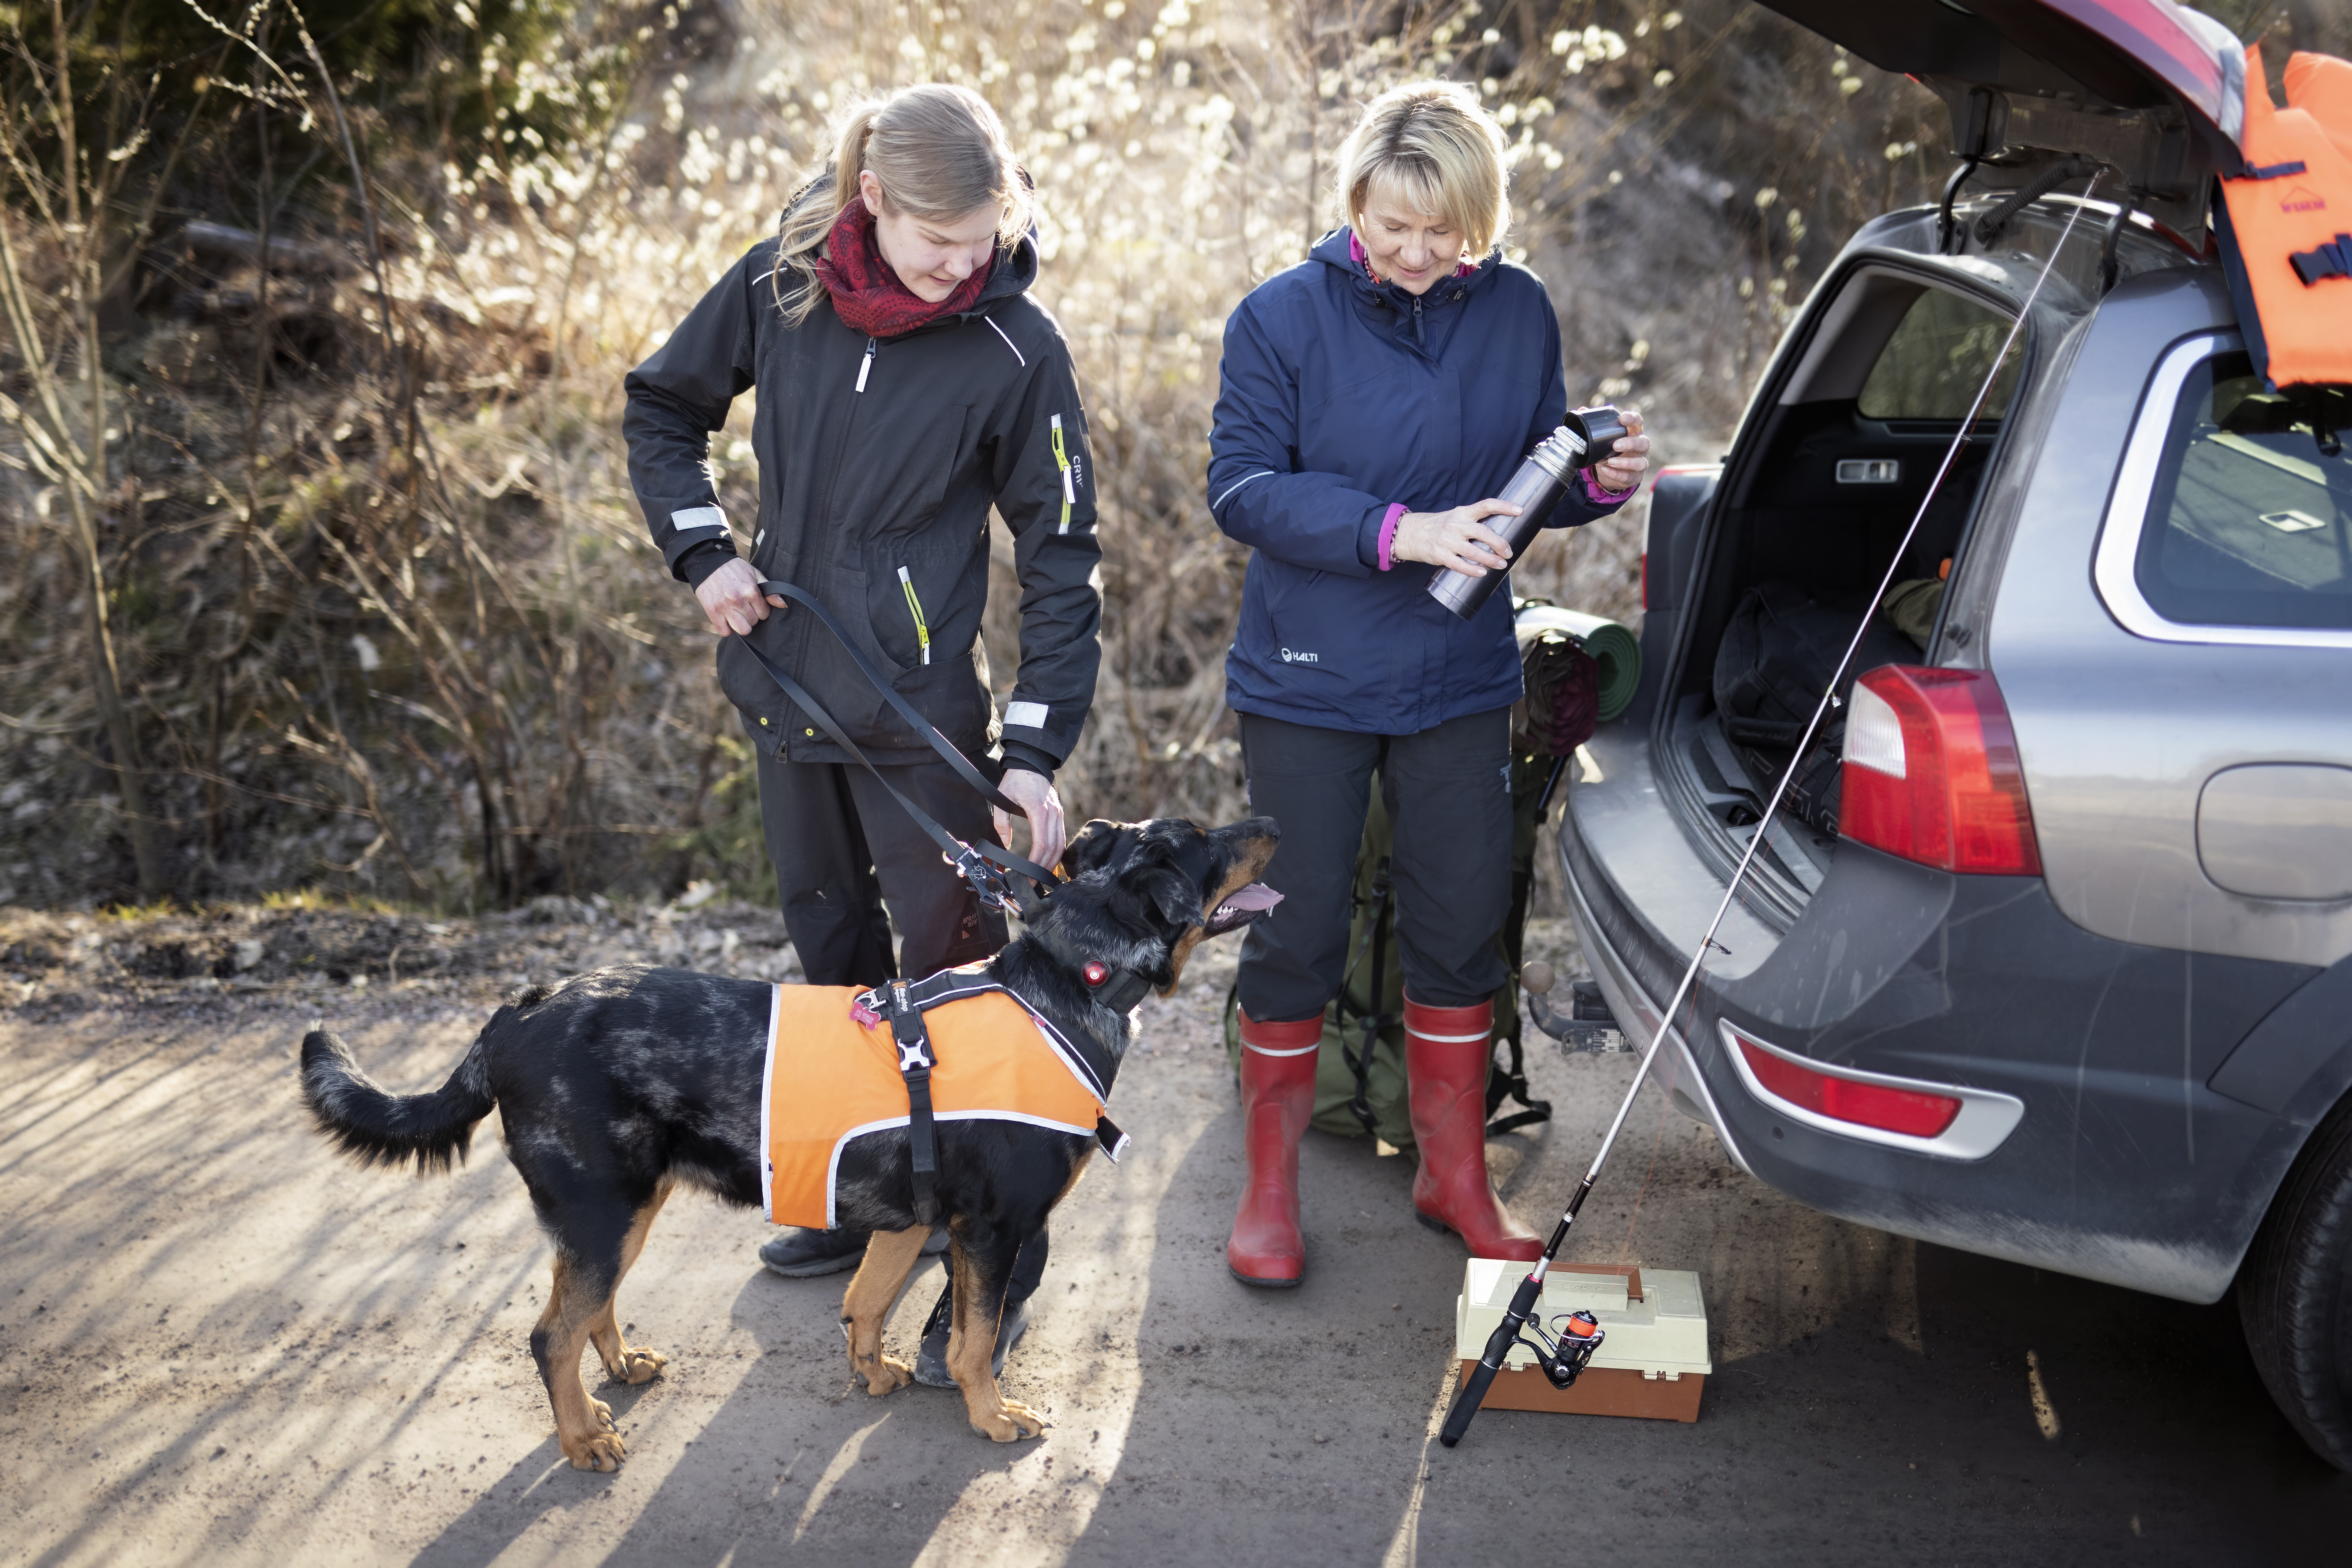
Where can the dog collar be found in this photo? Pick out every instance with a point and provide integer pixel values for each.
(1114, 987)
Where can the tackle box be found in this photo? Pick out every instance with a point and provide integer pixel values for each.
(1652, 1364)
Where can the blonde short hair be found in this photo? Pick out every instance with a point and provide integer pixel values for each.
(1433, 147)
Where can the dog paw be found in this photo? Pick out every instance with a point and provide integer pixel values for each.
(640, 1365)
(602, 1452)
(1011, 1422)
(602, 1413)
(885, 1374)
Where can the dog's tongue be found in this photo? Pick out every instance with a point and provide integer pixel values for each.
(1257, 896)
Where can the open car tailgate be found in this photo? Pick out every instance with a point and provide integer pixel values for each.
(2153, 90)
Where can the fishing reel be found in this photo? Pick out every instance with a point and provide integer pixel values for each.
(1567, 1349)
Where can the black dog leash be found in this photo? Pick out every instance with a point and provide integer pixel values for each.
(985, 866)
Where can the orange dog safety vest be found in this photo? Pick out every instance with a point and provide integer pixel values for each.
(2287, 222)
(831, 1078)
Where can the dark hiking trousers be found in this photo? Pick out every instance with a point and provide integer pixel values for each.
(843, 851)
(1447, 790)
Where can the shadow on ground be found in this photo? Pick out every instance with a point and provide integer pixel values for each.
(227, 1347)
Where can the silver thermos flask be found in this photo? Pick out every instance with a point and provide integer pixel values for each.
(1588, 436)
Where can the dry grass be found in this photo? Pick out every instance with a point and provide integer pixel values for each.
(389, 623)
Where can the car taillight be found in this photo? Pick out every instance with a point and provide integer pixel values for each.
(1931, 773)
(1903, 1110)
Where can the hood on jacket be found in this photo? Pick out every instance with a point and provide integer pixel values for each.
(1388, 306)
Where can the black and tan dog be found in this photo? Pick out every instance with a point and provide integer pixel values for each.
(614, 1087)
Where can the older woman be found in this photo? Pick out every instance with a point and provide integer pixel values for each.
(1376, 398)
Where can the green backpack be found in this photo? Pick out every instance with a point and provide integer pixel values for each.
(1359, 1082)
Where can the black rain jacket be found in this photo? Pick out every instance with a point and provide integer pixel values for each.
(878, 462)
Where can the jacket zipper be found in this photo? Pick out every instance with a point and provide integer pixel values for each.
(1062, 461)
(832, 482)
(915, 607)
(1418, 341)
(848, 427)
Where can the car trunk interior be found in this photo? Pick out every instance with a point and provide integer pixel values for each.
(1815, 503)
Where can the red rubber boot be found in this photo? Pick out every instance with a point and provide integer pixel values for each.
(1446, 1052)
(1277, 1096)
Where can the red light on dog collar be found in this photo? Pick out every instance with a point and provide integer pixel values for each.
(1096, 972)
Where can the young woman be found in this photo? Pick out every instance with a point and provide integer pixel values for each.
(1375, 399)
(907, 384)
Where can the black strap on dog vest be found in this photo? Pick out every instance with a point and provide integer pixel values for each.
(904, 1002)
(915, 1060)
(983, 865)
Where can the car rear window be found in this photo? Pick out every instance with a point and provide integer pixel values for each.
(2250, 522)
(1939, 355)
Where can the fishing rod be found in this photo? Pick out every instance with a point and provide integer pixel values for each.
(1563, 1354)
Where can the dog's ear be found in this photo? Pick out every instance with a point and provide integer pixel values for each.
(1174, 894)
(1091, 848)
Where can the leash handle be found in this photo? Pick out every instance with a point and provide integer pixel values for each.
(891, 694)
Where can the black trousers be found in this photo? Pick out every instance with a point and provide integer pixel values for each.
(845, 853)
(1447, 790)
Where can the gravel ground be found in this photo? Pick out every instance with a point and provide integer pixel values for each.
(222, 1345)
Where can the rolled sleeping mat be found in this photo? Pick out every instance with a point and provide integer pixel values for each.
(1614, 649)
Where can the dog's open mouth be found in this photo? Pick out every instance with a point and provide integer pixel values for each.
(1245, 905)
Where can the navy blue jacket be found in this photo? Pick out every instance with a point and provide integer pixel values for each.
(1339, 398)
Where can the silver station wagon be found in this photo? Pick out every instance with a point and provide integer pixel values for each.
(2049, 956)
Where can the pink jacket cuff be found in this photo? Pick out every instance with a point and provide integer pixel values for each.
(1594, 487)
(1388, 533)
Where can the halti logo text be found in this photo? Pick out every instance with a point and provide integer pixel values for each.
(1290, 657)
(2301, 200)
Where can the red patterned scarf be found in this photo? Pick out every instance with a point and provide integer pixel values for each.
(865, 288)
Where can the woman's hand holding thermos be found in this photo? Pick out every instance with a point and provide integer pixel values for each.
(1458, 539)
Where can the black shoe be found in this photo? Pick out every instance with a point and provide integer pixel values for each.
(798, 1254)
(932, 1360)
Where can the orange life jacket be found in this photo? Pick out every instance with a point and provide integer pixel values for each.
(2287, 222)
(830, 1078)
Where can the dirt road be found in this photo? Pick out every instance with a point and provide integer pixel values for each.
(221, 1345)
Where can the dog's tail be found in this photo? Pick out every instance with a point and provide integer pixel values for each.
(377, 1128)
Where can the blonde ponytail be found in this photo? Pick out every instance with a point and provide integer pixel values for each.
(940, 153)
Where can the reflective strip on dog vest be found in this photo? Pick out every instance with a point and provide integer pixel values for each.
(2287, 222)
(828, 1079)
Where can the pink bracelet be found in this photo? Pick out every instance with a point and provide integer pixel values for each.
(1388, 533)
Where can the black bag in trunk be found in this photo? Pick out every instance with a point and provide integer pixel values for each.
(1770, 668)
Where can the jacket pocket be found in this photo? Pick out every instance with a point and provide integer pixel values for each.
(915, 614)
(922, 606)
